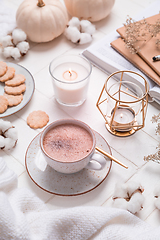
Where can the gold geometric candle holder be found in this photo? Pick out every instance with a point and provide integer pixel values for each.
(123, 102)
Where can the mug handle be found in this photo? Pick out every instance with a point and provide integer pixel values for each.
(97, 162)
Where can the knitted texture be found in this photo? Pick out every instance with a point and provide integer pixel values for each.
(23, 216)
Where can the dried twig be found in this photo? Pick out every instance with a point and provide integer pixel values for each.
(156, 156)
(138, 33)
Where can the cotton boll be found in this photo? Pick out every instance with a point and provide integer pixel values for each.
(131, 193)
(84, 25)
(23, 47)
(120, 191)
(136, 202)
(8, 137)
(2, 143)
(85, 38)
(12, 133)
(15, 53)
(9, 143)
(87, 27)
(18, 35)
(79, 31)
(91, 29)
(4, 125)
(7, 51)
(72, 34)
(6, 41)
(132, 187)
(120, 203)
(74, 22)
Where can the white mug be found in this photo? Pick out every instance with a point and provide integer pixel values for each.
(92, 160)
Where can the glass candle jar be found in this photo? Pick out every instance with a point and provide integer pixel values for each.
(70, 77)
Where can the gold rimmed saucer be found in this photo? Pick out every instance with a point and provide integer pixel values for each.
(65, 184)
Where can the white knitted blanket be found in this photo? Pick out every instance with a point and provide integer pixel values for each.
(23, 216)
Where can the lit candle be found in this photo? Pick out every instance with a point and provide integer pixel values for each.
(70, 81)
(70, 71)
(123, 119)
(70, 75)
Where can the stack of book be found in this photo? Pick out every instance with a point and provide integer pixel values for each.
(110, 54)
(143, 59)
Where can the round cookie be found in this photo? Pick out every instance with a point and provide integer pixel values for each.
(17, 80)
(15, 90)
(8, 75)
(3, 68)
(3, 104)
(37, 119)
(13, 100)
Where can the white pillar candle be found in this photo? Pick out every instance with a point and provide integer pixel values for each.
(70, 81)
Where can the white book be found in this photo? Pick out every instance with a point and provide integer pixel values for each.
(102, 55)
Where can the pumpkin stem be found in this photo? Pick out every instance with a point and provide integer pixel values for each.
(40, 3)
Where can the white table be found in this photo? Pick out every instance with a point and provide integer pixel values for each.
(130, 150)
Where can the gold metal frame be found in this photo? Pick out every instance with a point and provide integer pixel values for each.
(143, 100)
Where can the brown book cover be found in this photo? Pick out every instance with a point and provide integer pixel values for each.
(149, 48)
(135, 59)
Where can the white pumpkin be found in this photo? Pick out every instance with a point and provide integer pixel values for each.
(42, 21)
(92, 10)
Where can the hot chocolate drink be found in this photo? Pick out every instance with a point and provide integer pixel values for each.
(67, 142)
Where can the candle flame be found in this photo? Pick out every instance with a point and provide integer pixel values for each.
(127, 89)
(70, 72)
(121, 115)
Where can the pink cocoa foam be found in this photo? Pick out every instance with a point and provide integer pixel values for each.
(67, 142)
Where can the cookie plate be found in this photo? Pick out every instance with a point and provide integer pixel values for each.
(30, 87)
(64, 184)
